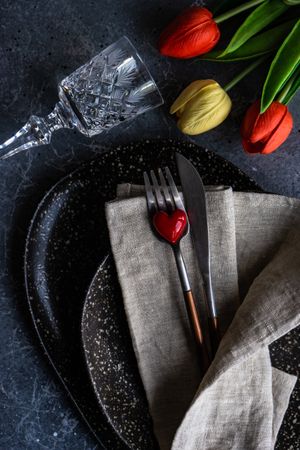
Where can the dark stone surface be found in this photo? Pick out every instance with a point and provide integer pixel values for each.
(40, 42)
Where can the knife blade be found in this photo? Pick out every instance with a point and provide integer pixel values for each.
(195, 201)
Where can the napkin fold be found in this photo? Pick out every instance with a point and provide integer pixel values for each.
(255, 261)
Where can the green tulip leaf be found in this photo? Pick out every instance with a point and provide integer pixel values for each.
(292, 2)
(238, 9)
(291, 87)
(283, 65)
(259, 45)
(262, 16)
(292, 91)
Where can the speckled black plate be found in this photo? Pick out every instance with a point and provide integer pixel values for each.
(111, 361)
(67, 241)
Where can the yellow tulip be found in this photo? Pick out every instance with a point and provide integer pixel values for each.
(201, 106)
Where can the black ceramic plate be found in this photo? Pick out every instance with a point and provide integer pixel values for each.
(111, 361)
(67, 241)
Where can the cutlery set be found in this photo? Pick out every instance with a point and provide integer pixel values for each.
(73, 211)
(171, 222)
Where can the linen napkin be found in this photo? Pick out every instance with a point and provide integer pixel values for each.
(255, 260)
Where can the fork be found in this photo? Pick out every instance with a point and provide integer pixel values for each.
(170, 223)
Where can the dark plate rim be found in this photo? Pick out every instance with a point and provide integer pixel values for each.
(28, 295)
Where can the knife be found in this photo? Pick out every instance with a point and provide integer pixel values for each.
(195, 201)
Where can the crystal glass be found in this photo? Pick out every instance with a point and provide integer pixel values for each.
(111, 88)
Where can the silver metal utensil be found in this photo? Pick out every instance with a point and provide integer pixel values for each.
(195, 200)
(169, 221)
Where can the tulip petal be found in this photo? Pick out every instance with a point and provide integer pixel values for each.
(205, 111)
(188, 93)
(267, 122)
(269, 130)
(198, 41)
(192, 33)
(279, 135)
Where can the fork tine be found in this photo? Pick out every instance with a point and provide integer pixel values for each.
(151, 202)
(176, 197)
(157, 192)
(166, 192)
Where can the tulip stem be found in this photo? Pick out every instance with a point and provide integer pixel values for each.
(244, 72)
(237, 10)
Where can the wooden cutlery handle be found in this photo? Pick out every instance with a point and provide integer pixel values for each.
(214, 333)
(192, 310)
(197, 330)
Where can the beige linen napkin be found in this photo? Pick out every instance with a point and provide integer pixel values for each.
(255, 250)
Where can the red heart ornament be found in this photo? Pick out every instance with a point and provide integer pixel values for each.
(170, 227)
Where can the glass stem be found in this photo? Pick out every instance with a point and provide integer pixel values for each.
(244, 72)
(37, 131)
(237, 10)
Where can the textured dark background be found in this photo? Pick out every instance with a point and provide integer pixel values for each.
(40, 42)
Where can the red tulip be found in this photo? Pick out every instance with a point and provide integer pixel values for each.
(192, 33)
(263, 133)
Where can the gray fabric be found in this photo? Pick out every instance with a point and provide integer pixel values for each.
(241, 401)
(280, 396)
